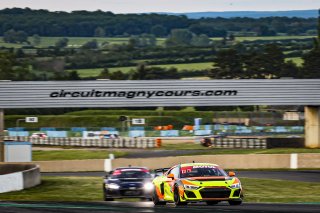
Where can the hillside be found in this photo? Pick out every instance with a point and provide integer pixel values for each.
(252, 14)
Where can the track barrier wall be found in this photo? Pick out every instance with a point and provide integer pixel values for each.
(15, 177)
(241, 161)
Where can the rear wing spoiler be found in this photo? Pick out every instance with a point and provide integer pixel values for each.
(160, 171)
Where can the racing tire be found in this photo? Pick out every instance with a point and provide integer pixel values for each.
(211, 203)
(156, 200)
(105, 198)
(108, 199)
(235, 202)
(177, 199)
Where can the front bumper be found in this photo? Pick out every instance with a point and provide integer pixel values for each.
(212, 193)
(128, 193)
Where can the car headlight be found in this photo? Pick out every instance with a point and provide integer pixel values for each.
(148, 186)
(235, 186)
(112, 186)
(191, 187)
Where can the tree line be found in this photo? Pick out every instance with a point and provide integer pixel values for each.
(101, 24)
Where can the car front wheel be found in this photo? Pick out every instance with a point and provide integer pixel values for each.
(177, 199)
(156, 200)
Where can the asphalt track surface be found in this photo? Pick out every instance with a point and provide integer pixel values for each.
(148, 207)
(299, 175)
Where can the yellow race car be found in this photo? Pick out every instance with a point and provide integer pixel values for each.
(197, 182)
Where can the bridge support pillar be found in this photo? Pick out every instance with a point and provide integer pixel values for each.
(1, 135)
(312, 126)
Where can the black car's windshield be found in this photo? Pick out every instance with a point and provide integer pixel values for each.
(202, 171)
(130, 173)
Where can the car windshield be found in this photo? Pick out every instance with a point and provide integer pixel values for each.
(202, 171)
(130, 173)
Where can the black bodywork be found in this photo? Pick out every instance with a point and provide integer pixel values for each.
(128, 182)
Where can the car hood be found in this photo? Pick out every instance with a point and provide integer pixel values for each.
(210, 181)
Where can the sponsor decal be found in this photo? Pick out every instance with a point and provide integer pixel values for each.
(140, 94)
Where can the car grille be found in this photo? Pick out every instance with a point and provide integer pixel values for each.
(215, 193)
(130, 192)
(236, 193)
(190, 194)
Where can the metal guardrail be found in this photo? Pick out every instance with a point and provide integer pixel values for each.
(242, 143)
(83, 142)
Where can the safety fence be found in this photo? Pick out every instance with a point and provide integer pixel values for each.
(241, 143)
(110, 143)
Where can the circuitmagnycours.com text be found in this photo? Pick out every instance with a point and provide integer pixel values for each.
(141, 94)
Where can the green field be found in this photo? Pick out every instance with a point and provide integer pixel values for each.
(270, 38)
(75, 41)
(192, 66)
(78, 41)
(72, 154)
(297, 60)
(39, 155)
(90, 189)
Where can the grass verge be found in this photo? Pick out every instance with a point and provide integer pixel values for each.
(39, 155)
(76, 154)
(90, 189)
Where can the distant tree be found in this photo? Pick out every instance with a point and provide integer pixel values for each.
(36, 39)
(201, 41)
(290, 69)
(7, 61)
(73, 75)
(228, 65)
(231, 37)
(179, 37)
(104, 74)
(12, 69)
(93, 44)
(19, 53)
(12, 36)
(144, 40)
(99, 32)
(119, 75)
(273, 59)
(62, 42)
(158, 30)
(140, 73)
(311, 64)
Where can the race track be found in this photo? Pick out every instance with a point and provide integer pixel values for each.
(148, 207)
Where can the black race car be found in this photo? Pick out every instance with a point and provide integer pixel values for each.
(128, 182)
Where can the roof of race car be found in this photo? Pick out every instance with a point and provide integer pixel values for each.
(198, 164)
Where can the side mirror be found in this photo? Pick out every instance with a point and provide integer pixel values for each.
(170, 176)
(231, 174)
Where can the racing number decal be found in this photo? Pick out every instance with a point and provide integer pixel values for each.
(186, 169)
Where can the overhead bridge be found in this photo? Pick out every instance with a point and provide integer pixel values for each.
(163, 93)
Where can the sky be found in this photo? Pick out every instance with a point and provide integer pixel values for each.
(177, 6)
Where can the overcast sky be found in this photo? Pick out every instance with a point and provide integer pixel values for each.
(137, 6)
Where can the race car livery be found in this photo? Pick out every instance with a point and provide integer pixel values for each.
(194, 182)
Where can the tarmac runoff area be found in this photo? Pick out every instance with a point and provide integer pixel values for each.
(124, 207)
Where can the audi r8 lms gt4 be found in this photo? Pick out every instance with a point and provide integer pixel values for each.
(124, 182)
(197, 182)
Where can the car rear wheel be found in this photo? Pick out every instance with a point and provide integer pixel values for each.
(235, 202)
(177, 199)
(211, 203)
(156, 200)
